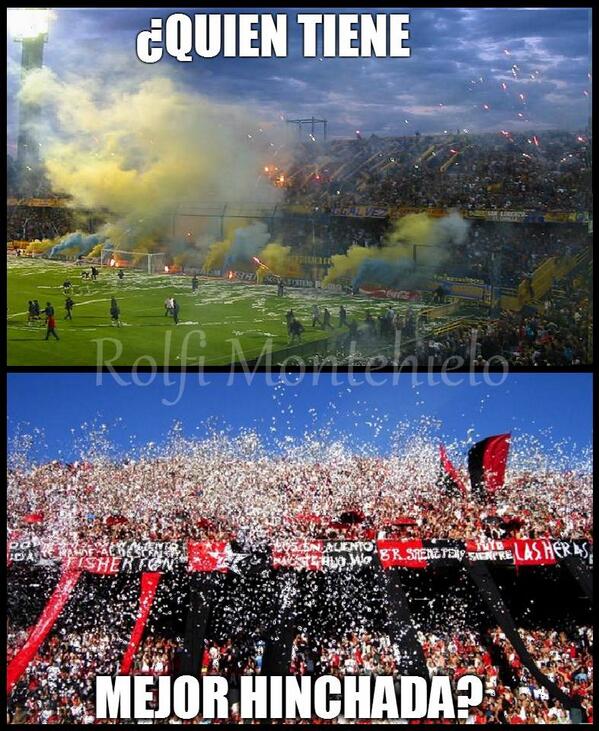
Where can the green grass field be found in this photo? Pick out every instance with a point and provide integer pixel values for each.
(225, 312)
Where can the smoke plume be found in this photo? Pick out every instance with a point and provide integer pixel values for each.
(401, 274)
(247, 243)
(393, 265)
(278, 259)
(78, 241)
(138, 148)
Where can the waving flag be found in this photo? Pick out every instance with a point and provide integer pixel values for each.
(449, 478)
(486, 464)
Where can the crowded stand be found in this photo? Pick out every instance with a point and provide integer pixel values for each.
(566, 657)
(207, 496)
(223, 513)
(523, 202)
(28, 223)
(240, 655)
(58, 685)
(558, 335)
(503, 170)
(522, 247)
(510, 694)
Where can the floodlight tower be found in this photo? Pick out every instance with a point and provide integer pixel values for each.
(29, 27)
(311, 122)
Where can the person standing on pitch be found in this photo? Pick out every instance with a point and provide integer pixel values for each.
(194, 283)
(295, 331)
(289, 317)
(342, 316)
(68, 306)
(115, 312)
(175, 311)
(51, 327)
(315, 315)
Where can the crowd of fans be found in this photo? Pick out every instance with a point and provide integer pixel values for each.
(511, 696)
(521, 248)
(232, 489)
(155, 656)
(488, 171)
(58, 685)
(219, 488)
(536, 340)
(241, 655)
(565, 658)
(207, 492)
(518, 248)
(30, 223)
(355, 653)
(557, 331)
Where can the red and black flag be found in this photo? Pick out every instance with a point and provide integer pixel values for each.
(486, 465)
(449, 478)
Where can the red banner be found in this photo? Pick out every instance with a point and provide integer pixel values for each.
(52, 610)
(533, 552)
(488, 550)
(149, 584)
(408, 552)
(207, 555)
(451, 471)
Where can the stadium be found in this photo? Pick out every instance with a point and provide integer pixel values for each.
(464, 243)
(199, 482)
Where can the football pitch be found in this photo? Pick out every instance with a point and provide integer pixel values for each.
(221, 323)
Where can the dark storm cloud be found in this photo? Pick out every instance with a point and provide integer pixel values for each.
(439, 87)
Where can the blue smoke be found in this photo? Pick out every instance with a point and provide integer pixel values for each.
(247, 243)
(83, 242)
(401, 274)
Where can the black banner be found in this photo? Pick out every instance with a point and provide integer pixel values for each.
(347, 555)
(401, 627)
(299, 554)
(489, 591)
(486, 464)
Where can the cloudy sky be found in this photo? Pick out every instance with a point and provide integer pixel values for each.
(467, 70)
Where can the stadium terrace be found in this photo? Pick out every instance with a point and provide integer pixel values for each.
(241, 571)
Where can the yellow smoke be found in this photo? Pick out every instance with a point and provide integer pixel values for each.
(217, 251)
(279, 260)
(40, 246)
(345, 266)
(216, 255)
(137, 148)
(413, 229)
